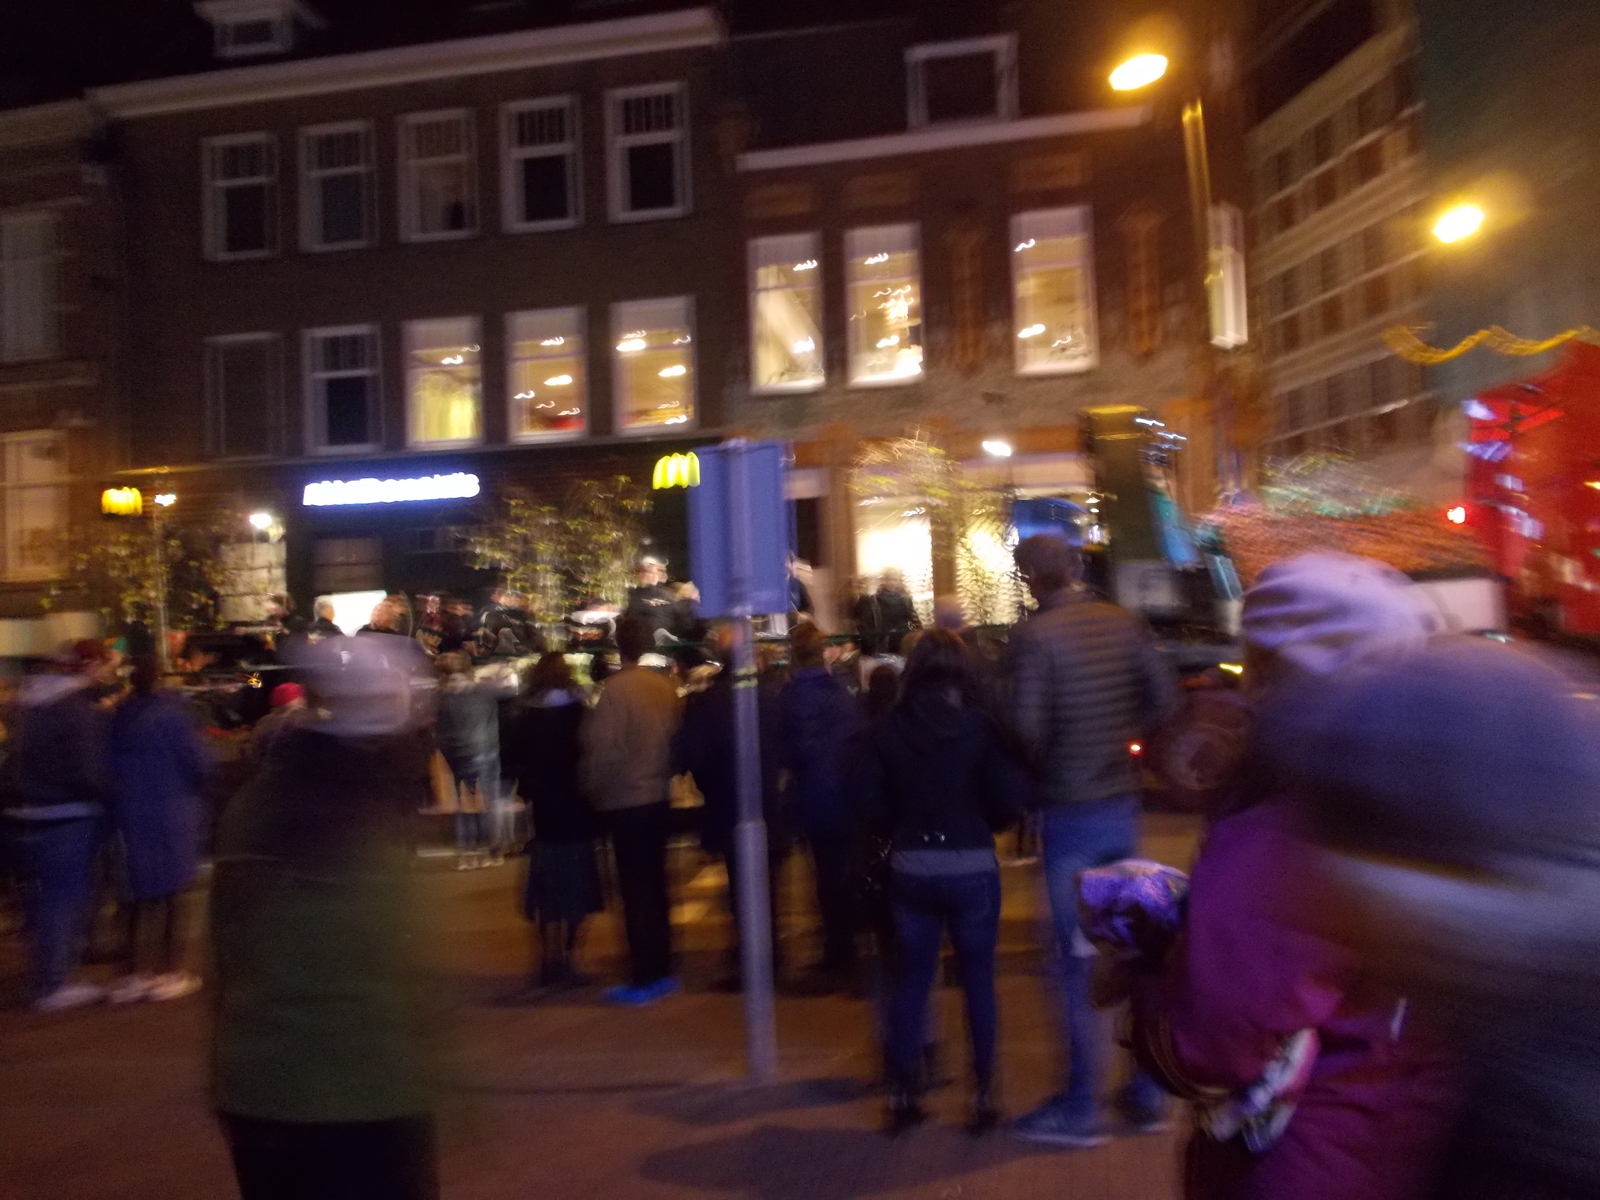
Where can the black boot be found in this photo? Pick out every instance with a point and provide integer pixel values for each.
(985, 1114)
(905, 1111)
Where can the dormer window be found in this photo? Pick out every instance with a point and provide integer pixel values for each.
(974, 79)
(256, 28)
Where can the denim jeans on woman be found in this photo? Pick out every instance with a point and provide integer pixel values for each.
(57, 868)
(925, 906)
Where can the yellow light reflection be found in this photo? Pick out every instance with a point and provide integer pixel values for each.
(1140, 71)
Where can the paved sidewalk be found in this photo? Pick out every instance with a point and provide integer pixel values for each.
(573, 1100)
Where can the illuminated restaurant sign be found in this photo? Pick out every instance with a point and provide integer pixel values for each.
(676, 470)
(329, 492)
(122, 502)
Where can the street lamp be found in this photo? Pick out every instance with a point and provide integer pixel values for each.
(262, 521)
(1458, 223)
(1139, 71)
(997, 448)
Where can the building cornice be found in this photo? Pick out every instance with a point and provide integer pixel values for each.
(688, 29)
(947, 137)
(43, 124)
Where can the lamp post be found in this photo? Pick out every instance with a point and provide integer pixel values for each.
(1139, 72)
(163, 501)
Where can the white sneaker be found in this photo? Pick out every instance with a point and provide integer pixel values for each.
(130, 989)
(69, 995)
(174, 986)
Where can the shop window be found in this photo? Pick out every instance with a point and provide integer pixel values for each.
(34, 488)
(341, 565)
(241, 210)
(1052, 291)
(336, 172)
(549, 382)
(648, 130)
(443, 382)
(540, 165)
(786, 353)
(28, 285)
(883, 281)
(653, 367)
(244, 392)
(438, 176)
(342, 388)
(970, 80)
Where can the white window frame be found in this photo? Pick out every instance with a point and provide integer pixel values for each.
(1083, 216)
(575, 317)
(18, 274)
(214, 221)
(316, 416)
(755, 259)
(58, 568)
(311, 195)
(621, 323)
(1004, 48)
(409, 214)
(512, 156)
(414, 441)
(216, 423)
(881, 381)
(618, 144)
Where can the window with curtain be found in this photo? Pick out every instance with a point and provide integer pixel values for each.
(653, 364)
(342, 387)
(336, 167)
(786, 313)
(241, 215)
(438, 176)
(443, 382)
(549, 386)
(541, 164)
(649, 134)
(1053, 291)
(883, 282)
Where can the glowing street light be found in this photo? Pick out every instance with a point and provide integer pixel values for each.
(1140, 71)
(997, 448)
(166, 499)
(261, 521)
(1458, 223)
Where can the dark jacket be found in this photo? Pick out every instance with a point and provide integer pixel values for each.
(938, 777)
(542, 750)
(1085, 682)
(706, 746)
(58, 768)
(883, 619)
(818, 717)
(158, 771)
(469, 719)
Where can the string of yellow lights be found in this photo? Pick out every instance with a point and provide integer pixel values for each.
(1403, 340)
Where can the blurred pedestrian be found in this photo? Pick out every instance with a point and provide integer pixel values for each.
(1085, 683)
(286, 707)
(1253, 990)
(818, 718)
(57, 816)
(653, 602)
(543, 749)
(324, 626)
(158, 775)
(887, 615)
(1454, 792)
(627, 753)
(467, 732)
(318, 1076)
(938, 778)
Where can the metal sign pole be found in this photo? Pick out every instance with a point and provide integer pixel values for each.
(750, 836)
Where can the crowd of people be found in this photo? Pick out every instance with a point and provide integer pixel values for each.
(1376, 983)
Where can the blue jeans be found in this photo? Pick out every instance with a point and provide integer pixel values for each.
(924, 907)
(57, 861)
(477, 831)
(1075, 838)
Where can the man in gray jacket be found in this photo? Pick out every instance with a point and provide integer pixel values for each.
(1085, 685)
(627, 757)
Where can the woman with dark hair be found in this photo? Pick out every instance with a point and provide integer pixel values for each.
(563, 885)
(938, 780)
(158, 771)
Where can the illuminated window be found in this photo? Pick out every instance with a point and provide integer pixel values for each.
(244, 392)
(28, 274)
(241, 216)
(540, 165)
(1053, 285)
(883, 273)
(34, 487)
(438, 176)
(342, 387)
(653, 364)
(443, 382)
(549, 386)
(786, 313)
(648, 129)
(336, 194)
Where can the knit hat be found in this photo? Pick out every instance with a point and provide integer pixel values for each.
(1317, 614)
(286, 693)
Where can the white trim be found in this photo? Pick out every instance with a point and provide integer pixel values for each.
(406, 206)
(617, 143)
(213, 231)
(315, 445)
(691, 28)
(512, 156)
(1004, 48)
(945, 137)
(852, 236)
(1082, 216)
(311, 205)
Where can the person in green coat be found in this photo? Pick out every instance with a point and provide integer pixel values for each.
(318, 1074)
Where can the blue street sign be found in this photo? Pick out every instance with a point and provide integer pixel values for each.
(739, 525)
